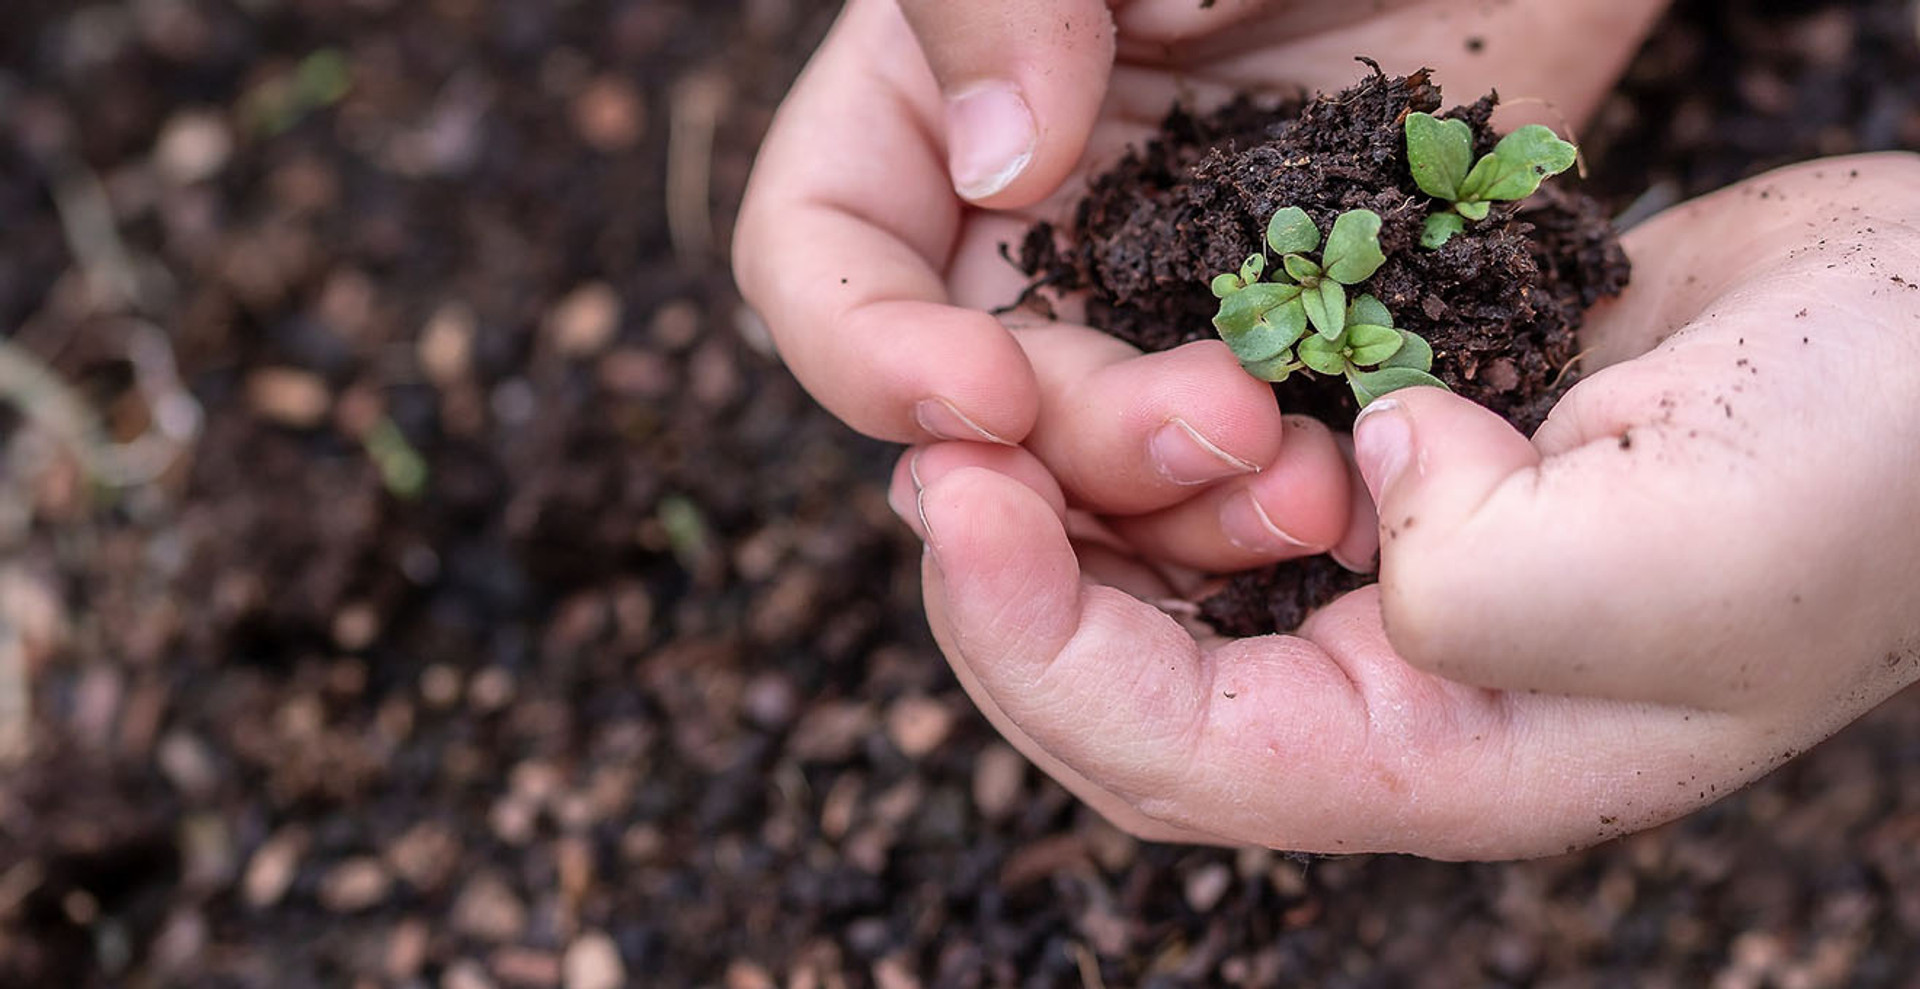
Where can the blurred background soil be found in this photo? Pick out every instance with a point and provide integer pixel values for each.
(482, 606)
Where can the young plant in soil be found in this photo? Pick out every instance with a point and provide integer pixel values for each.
(1439, 152)
(1264, 323)
(1211, 221)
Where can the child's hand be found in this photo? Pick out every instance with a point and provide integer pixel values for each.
(876, 277)
(1706, 561)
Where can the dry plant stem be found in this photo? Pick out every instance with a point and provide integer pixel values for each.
(87, 219)
(697, 103)
(16, 711)
(51, 405)
(113, 273)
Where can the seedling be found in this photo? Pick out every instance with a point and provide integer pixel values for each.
(1441, 151)
(1266, 324)
(1374, 355)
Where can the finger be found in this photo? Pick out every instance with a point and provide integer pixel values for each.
(1691, 509)
(922, 465)
(1359, 547)
(1007, 601)
(1128, 433)
(1561, 54)
(1022, 82)
(928, 465)
(1171, 22)
(1101, 553)
(1332, 745)
(842, 254)
(1296, 506)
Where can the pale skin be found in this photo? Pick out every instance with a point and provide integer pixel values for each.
(1706, 561)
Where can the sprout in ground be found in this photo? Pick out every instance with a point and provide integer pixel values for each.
(1441, 151)
(1266, 324)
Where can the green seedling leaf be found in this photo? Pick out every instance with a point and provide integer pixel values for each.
(1370, 385)
(1227, 283)
(1440, 153)
(1517, 165)
(1275, 370)
(1353, 248)
(1371, 344)
(687, 532)
(1323, 355)
(1415, 353)
(1367, 309)
(1241, 311)
(1291, 231)
(1237, 315)
(324, 78)
(1326, 306)
(1476, 210)
(1301, 269)
(1261, 321)
(1440, 228)
(402, 469)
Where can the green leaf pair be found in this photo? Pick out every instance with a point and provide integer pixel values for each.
(1440, 153)
(1353, 246)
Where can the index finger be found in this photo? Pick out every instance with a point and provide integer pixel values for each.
(848, 223)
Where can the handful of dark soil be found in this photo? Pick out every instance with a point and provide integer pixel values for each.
(1501, 303)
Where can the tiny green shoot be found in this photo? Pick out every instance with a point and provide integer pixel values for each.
(319, 81)
(402, 469)
(1440, 155)
(1303, 320)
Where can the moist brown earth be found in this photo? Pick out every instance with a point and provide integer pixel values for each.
(1502, 302)
(645, 658)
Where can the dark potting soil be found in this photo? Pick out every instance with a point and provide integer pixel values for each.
(573, 719)
(1501, 303)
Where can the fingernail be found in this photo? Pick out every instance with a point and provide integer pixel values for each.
(1183, 456)
(1249, 527)
(896, 499)
(1382, 445)
(926, 531)
(939, 417)
(990, 139)
(1368, 565)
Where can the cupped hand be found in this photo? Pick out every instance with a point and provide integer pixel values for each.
(924, 135)
(1706, 561)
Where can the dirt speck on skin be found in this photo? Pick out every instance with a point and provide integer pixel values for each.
(1501, 303)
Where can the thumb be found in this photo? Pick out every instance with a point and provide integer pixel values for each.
(1475, 571)
(1645, 560)
(1023, 82)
